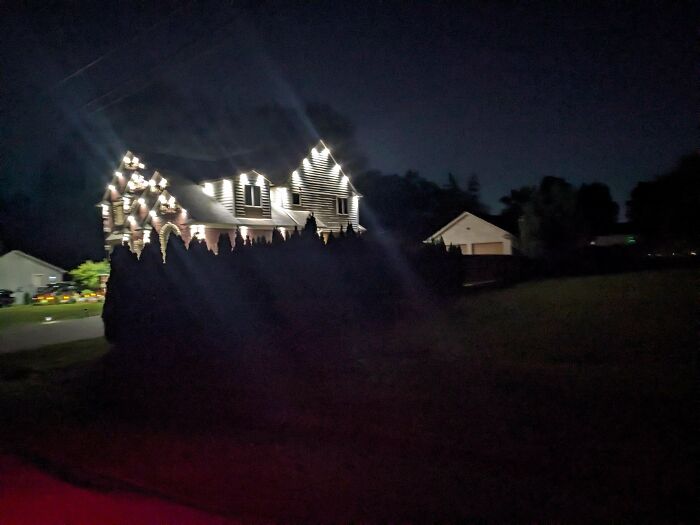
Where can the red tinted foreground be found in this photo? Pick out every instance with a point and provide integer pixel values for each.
(29, 496)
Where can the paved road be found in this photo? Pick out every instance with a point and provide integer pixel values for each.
(29, 496)
(28, 336)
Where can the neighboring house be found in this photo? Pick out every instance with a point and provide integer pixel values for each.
(474, 236)
(204, 199)
(20, 272)
(620, 234)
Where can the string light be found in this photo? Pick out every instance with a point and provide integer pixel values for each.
(118, 174)
(111, 187)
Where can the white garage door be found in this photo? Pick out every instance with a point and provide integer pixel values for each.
(487, 248)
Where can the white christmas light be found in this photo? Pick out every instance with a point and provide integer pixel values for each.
(152, 213)
(163, 182)
(336, 169)
(161, 198)
(208, 189)
(126, 159)
(135, 160)
(142, 165)
(171, 202)
(260, 181)
(306, 163)
(118, 174)
(111, 187)
(325, 152)
(142, 201)
(152, 183)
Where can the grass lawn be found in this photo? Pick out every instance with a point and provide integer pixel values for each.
(561, 400)
(17, 367)
(21, 314)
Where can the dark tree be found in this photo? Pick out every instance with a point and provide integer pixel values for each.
(665, 210)
(596, 211)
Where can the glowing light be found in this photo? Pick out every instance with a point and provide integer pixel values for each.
(228, 188)
(244, 231)
(142, 201)
(260, 181)
(152, 213)
(325, 152)
(105, 210)
(130, 185)
(142, 165)
(126, 159)
(314, 153)
(111, 187)
(131, 219)
(208, 189)
(48, 319)
(306, 163)
(244, 179)
(118, 174)
(344, 180)
(161, 198)
(147, 236)
(184, 212)
(152, 183)
(134, 160)
(336, 169)
(163, 182)
(198, 230)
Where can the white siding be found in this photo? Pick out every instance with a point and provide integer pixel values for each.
(320, 184)
(22, 274)
(470, 230)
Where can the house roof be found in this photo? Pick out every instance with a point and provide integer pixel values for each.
(454, 221)
(199, 206)
(36, 260)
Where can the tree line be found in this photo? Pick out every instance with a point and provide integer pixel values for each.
(549, 219)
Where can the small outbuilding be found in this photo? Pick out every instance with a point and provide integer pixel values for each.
(474, 236)
(21, 272)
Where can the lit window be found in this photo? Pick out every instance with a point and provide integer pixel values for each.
(342, 206)
(296, 198)
(252, 195)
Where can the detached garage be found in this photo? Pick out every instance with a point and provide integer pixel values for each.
(474, 236)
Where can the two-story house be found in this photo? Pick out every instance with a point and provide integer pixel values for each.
(210, 198)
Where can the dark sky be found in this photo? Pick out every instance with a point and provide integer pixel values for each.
(511, 92)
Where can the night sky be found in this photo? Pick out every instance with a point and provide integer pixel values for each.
(510, 92)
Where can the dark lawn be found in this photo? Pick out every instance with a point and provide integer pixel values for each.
(29, 313)
(567, 400)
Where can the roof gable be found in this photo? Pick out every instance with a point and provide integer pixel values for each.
(35, 260)
(457, 220)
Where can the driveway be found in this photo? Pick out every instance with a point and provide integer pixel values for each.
(29, 496)
(35, 335)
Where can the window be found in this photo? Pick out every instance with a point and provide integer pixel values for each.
(342, 206)
(296, 198)
(252, 195)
